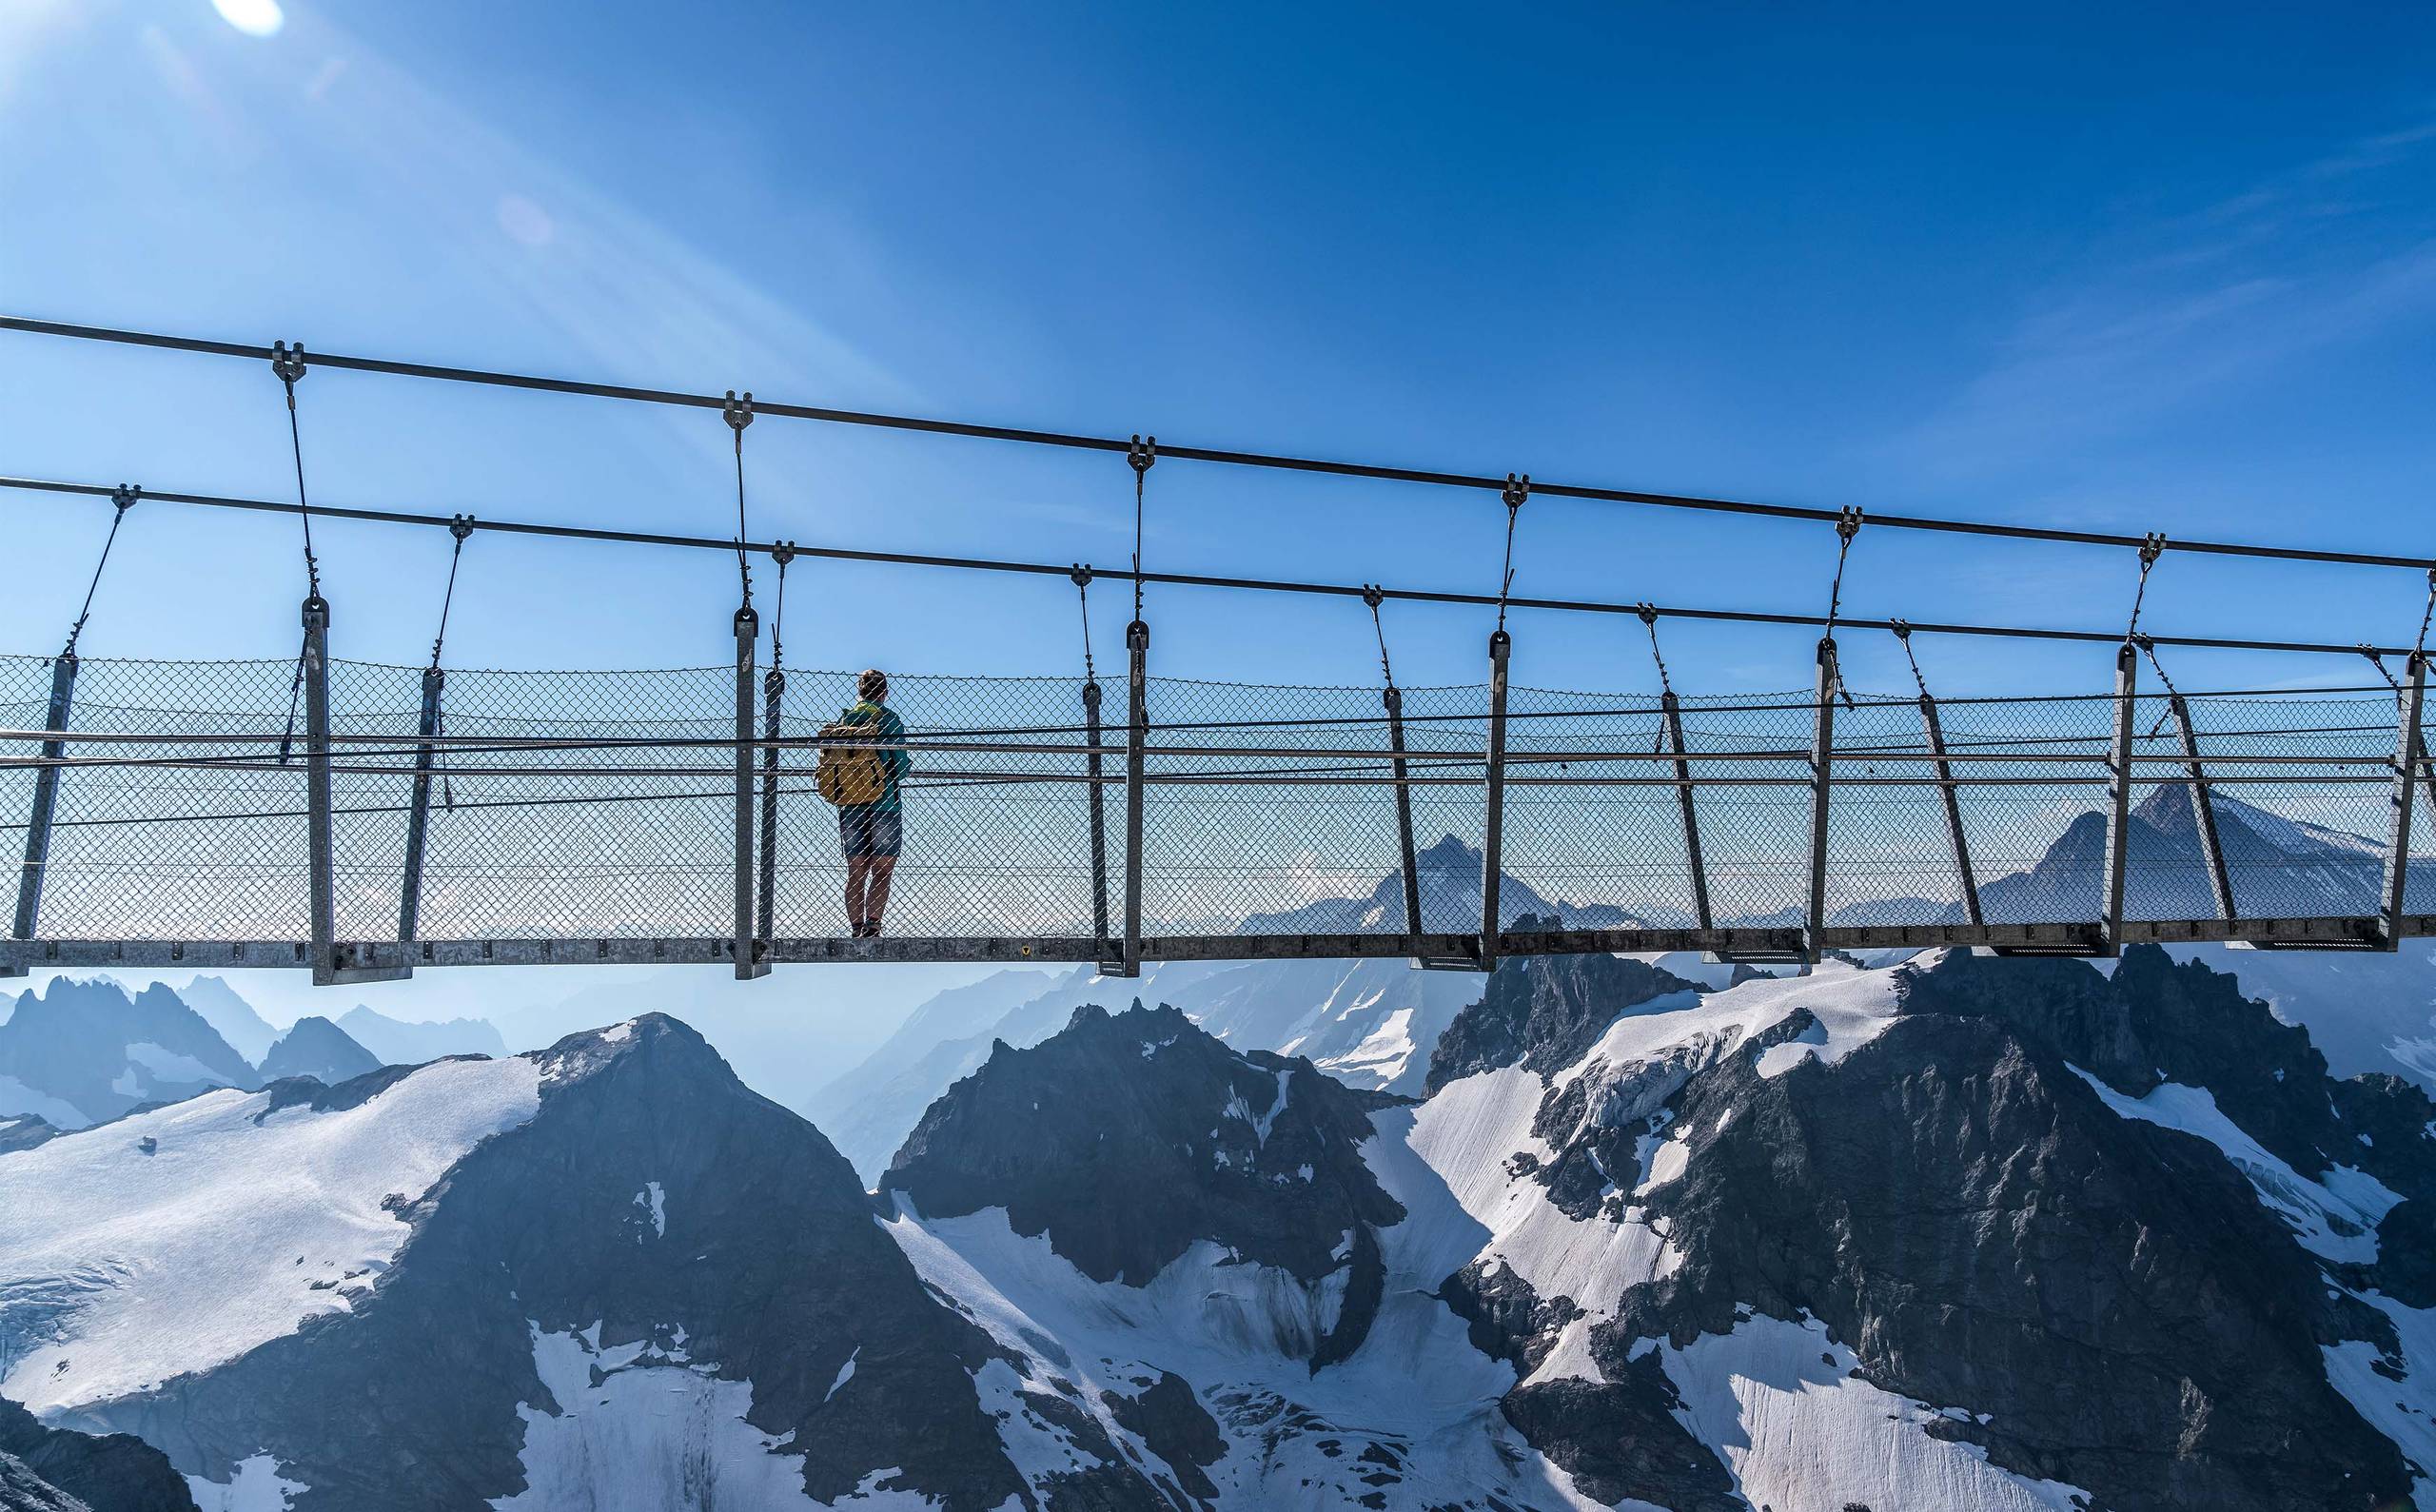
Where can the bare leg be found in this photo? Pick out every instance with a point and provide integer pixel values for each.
(883, 870)
(857, 872)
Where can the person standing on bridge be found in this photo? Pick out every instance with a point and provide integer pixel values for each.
(867, 787)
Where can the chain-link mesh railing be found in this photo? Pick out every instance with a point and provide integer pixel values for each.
(578, 806)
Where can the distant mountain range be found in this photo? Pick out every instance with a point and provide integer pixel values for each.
(1994, 1234)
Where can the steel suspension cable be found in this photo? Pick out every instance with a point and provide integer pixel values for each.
(1848, 525)
(1904, 635)
(1373, 596)
(1518, 490)
(1220, 455)
(121, 499)
(739, 414)
(1179, 578)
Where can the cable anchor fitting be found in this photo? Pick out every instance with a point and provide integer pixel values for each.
(1143, 453)
(1082, 574)
(1518, 490)
(738, 411)
(2155, 547)
(461, 526)
(1373, 596)
(287, 365)
(782, 553)
(122, 498)
(1902, 629)
(1848, 522)
(1648, 613)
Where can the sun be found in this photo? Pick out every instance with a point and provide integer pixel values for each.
(255, 18)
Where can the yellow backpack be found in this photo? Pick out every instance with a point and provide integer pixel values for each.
(850, 776)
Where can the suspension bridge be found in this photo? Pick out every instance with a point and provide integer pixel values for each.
(359, 820)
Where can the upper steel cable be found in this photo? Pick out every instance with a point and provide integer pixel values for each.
(1229, 457)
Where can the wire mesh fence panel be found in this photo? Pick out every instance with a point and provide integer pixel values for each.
(618, 842)
(1889, 849)
(2299, 839)
(603, 805)
(1594, 833)
(997, 841)
(1237, 840)
(2035, 828)
(1751, 798)
(143, 848)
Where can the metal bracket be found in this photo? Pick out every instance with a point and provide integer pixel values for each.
(288, 364)
(738, 411)
(1848, 521)
(122, 498)
(1143, 453)
(749, 963)
(1822, 757)
(2118, 826)
(1082, 574)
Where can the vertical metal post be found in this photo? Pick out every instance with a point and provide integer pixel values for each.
(1934, 730)
(1673, 710)
(419, 811)
(1094, 768)
(1493, 831)
(321, 871)
(63, 696)
(1394, 698)
(2408, 746)
(1822, 757)
(773, 696)
(1137, 731)
(2203, 810)
(2118, 819)
(748, 632)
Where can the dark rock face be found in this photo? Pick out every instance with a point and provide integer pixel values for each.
(1962, 1210)
(318, 1049)
(1618, 1438)
(658, 1204)
(1129, 1137)
(55, 1470)
(1171, 1420)
(1543, 1012)
(23, 1131)
(89, 1045)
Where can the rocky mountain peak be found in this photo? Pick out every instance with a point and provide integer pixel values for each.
(1541, 1012)
(315, 1047)
(1128, 1138)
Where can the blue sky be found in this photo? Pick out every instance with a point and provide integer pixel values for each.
(2098, 266)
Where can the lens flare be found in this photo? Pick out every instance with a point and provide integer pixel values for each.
(255, 18)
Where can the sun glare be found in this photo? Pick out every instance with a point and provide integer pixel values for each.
(255, 18)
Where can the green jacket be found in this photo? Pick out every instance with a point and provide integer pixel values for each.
(884, 722)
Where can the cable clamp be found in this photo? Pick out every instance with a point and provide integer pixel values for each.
(782, 552)
(1847, 523)
(287, 362)
(2145, 641)
(124, 496)
(1373, 595)
(1143, 453)
(1082, 574)
(2155, 547)
(738, 411)
(1648, 613)
(1902, 629)
(461, 526)
(1517, 488)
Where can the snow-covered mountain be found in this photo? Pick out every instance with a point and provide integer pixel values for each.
(1450, 900)
(78, 1052)
(399, 1042)
(1957, 1233)
(315, 1047)
(601, 1276)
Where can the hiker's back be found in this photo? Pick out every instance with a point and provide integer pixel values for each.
(850, 773)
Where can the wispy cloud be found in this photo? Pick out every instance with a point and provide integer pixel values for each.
(2325, 253)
